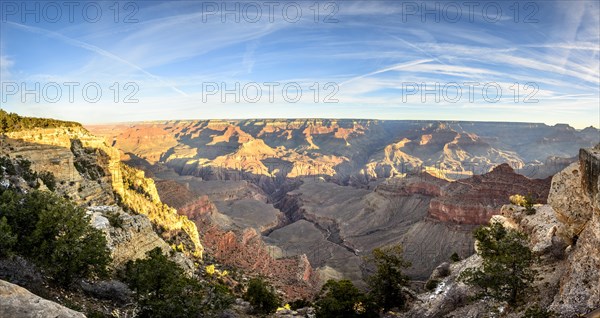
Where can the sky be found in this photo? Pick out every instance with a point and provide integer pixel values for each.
(100, 62)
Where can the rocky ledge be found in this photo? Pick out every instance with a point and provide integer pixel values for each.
(18, 302)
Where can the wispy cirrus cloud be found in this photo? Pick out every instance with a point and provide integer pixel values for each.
(370, 51)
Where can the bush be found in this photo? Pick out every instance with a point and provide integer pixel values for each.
(55, 234)
(261, 296)
(506, 273)
(163, 289)
(525, 201)
(114, 219)
(48, 179)
(343, 299)
(9, 168)
(454, 257)
(7, 238)
(67, 245)
(387, 281)
(25, 170)
(528, 205)
(300, 303)
(432, 284)
(517, 199)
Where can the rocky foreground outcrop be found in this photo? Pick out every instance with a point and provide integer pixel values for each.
(90, 173)
(130, 237)
(565, 234)
(18, 302)
(580, 284)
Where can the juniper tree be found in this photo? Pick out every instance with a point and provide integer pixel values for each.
(506, 273)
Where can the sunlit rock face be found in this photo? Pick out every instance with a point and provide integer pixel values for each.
(475, 200)
(131, 239)
(579, 290)
(90, 173)
(346, 151)
(245, 249)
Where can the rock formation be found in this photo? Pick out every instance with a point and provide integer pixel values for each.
(18, 302)
(90, 172)
(354, 151)
(579, 292)
(568, 274)
(245, 250)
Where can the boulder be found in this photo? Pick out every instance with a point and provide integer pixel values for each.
(18, 302)
(570, 202)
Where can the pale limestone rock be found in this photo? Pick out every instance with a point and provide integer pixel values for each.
(132, 240)
(571, 204)
(98, 220)
(579, 286)
(18, 302)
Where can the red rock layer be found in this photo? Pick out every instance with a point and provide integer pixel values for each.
(469, 201)
(246, 251)
(475, 200)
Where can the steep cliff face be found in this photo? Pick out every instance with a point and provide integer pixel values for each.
(91, 173)
(568, 274)
(130, 237)
(476, 199)
(579, 290)
(59, 161)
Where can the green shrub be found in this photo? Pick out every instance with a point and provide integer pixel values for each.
(67, 245)
(55, 234)
(7, 238)
(525, 201)
(25, 170)
(48, 179)
(9, 167)
(528, 205)
(454, 257)
(432, 284)
(343, 299)
(114, 219)
(387, 281)
(506, 273)
(163, 289)
(261, 296)
(300, 303)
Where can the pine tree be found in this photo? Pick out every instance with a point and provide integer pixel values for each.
(506, 273)
(388, 280)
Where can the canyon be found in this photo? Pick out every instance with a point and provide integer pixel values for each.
(302, 201)
(332, 190)
(564, 236)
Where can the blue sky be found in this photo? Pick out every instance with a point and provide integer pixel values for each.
(369, 59)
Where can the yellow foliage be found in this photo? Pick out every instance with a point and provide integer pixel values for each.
(517, 199)
(140, 195)
(359, 308)
(285, 307)
(210, 269)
